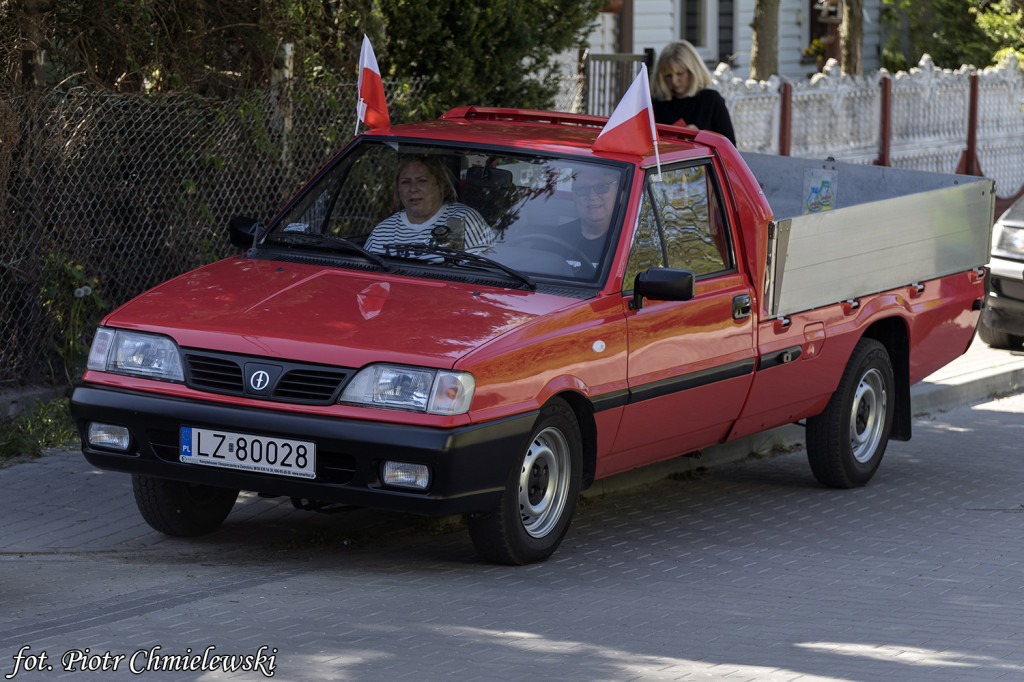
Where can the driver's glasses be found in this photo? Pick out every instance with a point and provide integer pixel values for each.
(586, 190)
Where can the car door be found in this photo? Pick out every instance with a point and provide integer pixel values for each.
(690, 363)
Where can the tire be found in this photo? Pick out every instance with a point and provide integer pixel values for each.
(997, 338)
(846, 442)
(181, 509)
(540, 495)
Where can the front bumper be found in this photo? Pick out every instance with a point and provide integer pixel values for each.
(469, 464)
(1004, 305)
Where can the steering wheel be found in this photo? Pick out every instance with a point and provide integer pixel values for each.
(586, 270)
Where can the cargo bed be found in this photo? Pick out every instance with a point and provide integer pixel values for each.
(873, 228)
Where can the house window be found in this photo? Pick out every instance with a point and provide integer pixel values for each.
(698, 23)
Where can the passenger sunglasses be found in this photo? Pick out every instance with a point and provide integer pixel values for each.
(600, 188)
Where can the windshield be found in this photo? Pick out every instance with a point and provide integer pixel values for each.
(541, 216)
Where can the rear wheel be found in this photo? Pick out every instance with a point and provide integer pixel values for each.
(181, 509)
(846, 442)
(540, 495)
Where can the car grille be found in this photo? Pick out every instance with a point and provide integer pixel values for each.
(214, 374)
(296, 382)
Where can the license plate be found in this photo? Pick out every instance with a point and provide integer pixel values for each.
(280, 456)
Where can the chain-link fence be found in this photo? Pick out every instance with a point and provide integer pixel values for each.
(108, 195)
(103, 196)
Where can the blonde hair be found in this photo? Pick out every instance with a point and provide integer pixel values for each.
(679, 55)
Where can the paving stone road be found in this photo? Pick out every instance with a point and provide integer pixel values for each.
(746, 571)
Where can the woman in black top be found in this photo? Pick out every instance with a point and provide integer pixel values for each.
(682, 94)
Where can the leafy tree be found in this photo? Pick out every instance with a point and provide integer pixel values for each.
(209, 47)
(952, 32)
(1003, 22)
(499, 52)
(496, 53)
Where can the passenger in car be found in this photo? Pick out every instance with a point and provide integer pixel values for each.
(594, 193)
(430, 213)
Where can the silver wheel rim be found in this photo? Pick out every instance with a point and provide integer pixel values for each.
(867, 416)
(544, 482)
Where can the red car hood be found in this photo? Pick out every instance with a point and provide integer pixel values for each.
(329, 315)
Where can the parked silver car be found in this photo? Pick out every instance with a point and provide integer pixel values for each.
(1002, 319)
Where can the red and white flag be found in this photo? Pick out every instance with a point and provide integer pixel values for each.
(630, 129)
(372, 109)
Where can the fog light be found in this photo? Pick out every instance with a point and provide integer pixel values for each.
(405, 475)
(109, 436)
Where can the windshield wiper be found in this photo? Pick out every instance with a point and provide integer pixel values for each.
(315, 238)
(458, 257)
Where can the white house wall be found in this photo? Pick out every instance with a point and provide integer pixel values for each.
(604, 39)
(656, 24)
(794, 35)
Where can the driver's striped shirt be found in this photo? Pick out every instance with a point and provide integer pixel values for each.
(396, 229)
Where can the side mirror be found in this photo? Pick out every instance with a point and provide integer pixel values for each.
(243, 231)
(661, 284)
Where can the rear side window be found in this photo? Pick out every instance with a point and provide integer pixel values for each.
(680, 225)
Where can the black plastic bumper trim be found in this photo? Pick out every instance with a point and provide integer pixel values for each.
(469, 464)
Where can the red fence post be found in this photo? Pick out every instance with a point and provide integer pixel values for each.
(885, 123)
(786, 119)
(968, 164)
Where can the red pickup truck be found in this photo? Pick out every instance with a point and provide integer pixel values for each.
(480, 315)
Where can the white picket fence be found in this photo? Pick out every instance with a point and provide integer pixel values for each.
(838, 115)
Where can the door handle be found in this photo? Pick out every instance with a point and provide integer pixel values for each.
(741, 307)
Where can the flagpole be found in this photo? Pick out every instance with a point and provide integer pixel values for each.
(650, 115)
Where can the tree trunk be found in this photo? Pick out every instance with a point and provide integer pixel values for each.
(851, 37)
(764, 45)
(32, 19)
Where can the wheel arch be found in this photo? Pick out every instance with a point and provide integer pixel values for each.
(584, 411)
(892, 332)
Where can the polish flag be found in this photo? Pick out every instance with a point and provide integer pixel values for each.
(372, 109)
(630, 129)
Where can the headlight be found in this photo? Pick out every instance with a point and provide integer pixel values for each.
(1008, 242)
(136, 354)
(411, 388)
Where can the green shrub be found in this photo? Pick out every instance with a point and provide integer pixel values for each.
(46, 425)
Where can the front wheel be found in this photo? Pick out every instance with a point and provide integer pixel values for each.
(540, 495)
(181, 509)
(845, 443)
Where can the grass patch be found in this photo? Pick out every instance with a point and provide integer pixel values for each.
(46, 425)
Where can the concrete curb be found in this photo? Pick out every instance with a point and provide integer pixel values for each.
(927, 397)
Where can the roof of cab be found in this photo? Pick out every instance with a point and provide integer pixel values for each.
(548, 130)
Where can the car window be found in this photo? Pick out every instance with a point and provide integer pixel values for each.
(680, 225)
(545, 215)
